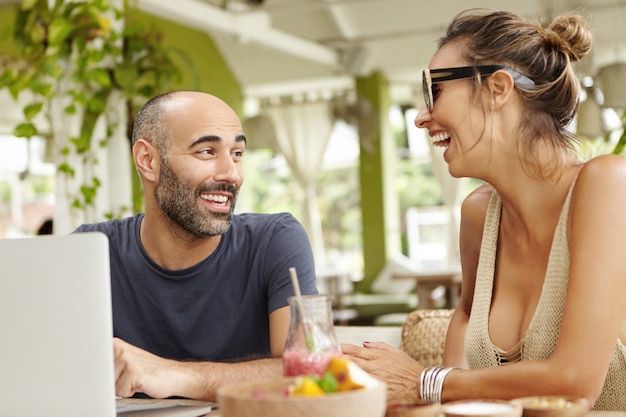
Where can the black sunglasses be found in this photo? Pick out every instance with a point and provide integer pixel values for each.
(433, 76)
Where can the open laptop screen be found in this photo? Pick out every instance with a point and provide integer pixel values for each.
(56, 327)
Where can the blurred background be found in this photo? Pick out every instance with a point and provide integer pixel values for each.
(327, 91)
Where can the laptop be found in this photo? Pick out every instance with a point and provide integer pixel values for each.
(56, 327)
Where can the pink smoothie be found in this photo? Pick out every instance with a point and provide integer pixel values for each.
(301, 362)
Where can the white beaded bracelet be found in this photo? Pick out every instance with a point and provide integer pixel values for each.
(431, 382)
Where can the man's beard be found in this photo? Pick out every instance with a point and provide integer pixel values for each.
(180, 203)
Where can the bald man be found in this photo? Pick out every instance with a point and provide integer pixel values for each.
(199, 293)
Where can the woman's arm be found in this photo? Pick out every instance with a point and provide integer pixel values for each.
(473, 213)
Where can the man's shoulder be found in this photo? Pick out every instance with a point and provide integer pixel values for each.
(266, 226)
(262, 219)
(111, 226)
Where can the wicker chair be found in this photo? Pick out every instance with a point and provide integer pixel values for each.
(424, 335)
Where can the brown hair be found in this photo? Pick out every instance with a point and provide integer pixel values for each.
(543, 54)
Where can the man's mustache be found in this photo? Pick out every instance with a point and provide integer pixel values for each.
(215, 187)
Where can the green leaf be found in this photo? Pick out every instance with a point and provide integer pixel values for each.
(7, 77)
(65, 168)
(28, 4)
(71, 109)
(101, 4)
(119, 13)
(146, 91)
(20, 83)
(15, 90)
(89, 193)
(25, 130)
(41, 88)
(97, 104)
(100, 76)
(125, 76)
(80, 98)
(32, 110)
(83, 142)
(328, 382)
(95, 56)
(53, 68)
(58, 31)
(37, 33)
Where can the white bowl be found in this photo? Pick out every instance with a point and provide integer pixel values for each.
(481, 408)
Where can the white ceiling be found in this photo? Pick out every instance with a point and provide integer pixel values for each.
(283, 47)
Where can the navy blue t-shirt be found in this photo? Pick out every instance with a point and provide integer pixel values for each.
(217, 310)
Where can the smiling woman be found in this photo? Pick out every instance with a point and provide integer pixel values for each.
(537, 237)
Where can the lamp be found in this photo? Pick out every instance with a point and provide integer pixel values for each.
(612, 81)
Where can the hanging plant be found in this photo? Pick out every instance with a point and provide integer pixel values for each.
(72, 54)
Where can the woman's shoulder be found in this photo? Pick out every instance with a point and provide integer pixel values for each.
(473, 214)
(603, 165)
(475, 204)
(601, 174)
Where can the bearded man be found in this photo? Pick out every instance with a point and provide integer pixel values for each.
(199, 294)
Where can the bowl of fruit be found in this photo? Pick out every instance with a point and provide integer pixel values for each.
(344, 390)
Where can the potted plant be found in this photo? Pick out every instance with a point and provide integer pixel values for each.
(86, 66)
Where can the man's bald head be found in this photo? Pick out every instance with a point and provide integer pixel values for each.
(151, 123)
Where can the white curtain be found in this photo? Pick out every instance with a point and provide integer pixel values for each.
(452, 192)
(302, 133)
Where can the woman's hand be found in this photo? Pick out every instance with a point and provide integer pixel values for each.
(389, 364)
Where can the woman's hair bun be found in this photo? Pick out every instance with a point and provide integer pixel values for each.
(570, 33)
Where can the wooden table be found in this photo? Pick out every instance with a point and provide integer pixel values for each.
(427, 280)
(216, 412)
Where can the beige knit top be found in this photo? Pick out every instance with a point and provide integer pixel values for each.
(541, 336)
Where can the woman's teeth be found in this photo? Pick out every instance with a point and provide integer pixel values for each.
(441, 139)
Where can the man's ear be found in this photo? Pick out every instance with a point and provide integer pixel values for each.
(147, 160)
(500, 86)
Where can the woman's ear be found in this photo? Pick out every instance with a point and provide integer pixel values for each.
(146, 160)
(500, 86)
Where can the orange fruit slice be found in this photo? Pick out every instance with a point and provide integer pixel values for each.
(306, 386)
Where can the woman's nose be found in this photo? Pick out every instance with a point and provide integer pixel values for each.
(423, 117)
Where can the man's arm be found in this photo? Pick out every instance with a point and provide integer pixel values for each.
(279, 328)
(137, 370)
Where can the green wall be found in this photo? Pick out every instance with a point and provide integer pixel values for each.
(7, 17)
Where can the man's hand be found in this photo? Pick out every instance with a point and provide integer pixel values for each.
(137, 370)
